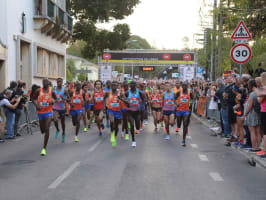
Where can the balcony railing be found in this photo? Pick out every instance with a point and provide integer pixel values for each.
(48, 9)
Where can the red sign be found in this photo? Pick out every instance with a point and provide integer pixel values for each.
(241, 53)
(166, 56)
(187, 57)
(107, 56)
(241, 32)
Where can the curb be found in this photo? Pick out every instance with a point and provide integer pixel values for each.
(252, 159)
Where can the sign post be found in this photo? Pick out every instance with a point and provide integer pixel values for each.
(241, 53)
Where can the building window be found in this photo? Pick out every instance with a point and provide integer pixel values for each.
(50, 6)
(50, 64)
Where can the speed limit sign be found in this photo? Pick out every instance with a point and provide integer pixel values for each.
(241, 53)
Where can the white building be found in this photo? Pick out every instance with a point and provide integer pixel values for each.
(81, 63)
(33, 38)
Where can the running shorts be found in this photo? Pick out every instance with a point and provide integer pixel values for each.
(76, 112)
(116, 114)
(180, 113)
(43, 116)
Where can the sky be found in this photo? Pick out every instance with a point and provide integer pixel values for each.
(164, 23)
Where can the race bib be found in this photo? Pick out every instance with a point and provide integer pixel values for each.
(170, 103)
(44, 104)
(184, 100)
(155, 100)
(134, 102)
(115, 105)
(76, 100)
(99, 99)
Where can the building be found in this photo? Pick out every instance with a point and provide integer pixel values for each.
(33, 38)
(81, 63)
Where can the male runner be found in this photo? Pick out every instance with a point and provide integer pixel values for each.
(124, 113)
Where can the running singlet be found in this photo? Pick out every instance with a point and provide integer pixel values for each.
(98, 100)
(169, 101)
(122, 103)
(44, 102)
(183, 101)
(60, 95)
(134, 100)
(113, 102)
(77, 101)
(87, 98)
(155, 99)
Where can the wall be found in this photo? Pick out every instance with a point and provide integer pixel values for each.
(3, 21)
(15, 8)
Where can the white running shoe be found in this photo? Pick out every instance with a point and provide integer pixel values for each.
(146, 122)
(133, 144)
(122, 134)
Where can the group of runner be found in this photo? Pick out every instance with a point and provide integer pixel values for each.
(128, 103)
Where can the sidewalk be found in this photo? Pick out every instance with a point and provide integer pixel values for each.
(215, 128)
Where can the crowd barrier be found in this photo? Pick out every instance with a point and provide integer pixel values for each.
(28, 115)
(202, 109)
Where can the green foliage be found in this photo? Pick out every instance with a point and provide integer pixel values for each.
(69, 75)
(88, 13)
(136, 42)
(75, 48)
(82, 77)
(71, 67)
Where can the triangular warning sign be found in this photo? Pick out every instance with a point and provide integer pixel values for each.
(241, 32)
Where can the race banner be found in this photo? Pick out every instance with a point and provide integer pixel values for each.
(161, 58)
(201, 107)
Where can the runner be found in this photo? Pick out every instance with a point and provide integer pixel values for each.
(124, 133)
(76, 108)
(114, 106)
(91, 104)
(43, 99)
(134, 97)
(169, 109)
(143, 106)
(86, 106)
(156, 106)
(59, 108)
(98, 97)
(106, 90)
(183, 110)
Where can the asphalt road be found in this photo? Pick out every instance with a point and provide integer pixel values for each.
(156, 169)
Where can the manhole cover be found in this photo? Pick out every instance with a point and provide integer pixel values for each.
(18, 162)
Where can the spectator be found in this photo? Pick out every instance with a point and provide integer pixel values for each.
(259, 70)
(9, 111)
(251, 116)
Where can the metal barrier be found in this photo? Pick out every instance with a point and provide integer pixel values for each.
(32, 114)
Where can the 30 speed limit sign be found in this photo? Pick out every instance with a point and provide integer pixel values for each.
(241, 53)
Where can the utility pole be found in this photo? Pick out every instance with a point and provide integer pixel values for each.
(213, 46)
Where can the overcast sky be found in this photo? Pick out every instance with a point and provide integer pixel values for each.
(165, 22)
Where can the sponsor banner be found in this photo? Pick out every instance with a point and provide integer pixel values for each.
(106, 73)
(127, 57)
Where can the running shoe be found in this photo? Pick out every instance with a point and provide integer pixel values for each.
(177, 130)
(254, 150)
(238, 143)
(245, 146)
(57, 134)
(141, 129)
(76, 139)
(2, 141)
(114, 144)
(102, 126)
(183, 144)
(261, 152)
(100, 133)
(112, 138)
(263, 156)
(63, 138)
(133, 144)
(137, 131)
(162, 124)
(167, 137)
(146, 123)
(126, 137)
(43, 152)
(85, 130)
(156, 129)
(93, 121)
(164, 129)
(89, 126)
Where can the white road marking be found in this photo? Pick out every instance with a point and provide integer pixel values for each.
(203, 158)
(61, 178)
(216, 176)
(93, 147)
(194, 146)
(189, 137)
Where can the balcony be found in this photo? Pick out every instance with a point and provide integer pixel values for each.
(51, 20)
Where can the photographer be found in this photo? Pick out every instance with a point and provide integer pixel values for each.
(9, 111)
(19, 92)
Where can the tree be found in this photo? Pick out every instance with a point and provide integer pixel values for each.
(137, 42)
(75, 48)
(88, 13)
(68, 75)
(71, 67)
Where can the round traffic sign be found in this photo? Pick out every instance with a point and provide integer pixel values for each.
(241, 53)
(167, 56)
(187, 57)
(107, 56)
